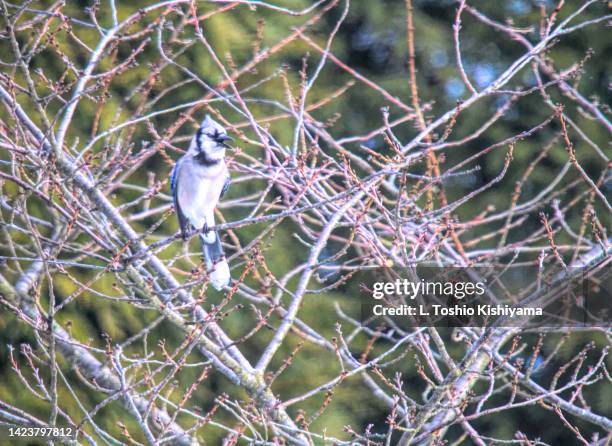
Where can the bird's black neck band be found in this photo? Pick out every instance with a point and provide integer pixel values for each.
(202, 157)
(204, 160)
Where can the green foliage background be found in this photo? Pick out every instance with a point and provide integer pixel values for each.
(372, 41)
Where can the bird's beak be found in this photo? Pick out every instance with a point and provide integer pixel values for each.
(223, 139)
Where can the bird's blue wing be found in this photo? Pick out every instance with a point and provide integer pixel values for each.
(177, 207)
(226, 186)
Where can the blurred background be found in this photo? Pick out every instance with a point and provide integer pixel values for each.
(371, 41)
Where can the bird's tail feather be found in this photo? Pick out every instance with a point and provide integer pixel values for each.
(214, 258)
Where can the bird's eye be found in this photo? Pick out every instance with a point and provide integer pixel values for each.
(218, 137)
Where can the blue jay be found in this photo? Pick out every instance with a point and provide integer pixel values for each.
(199, 179)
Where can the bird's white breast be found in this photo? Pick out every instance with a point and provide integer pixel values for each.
(200, 190)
